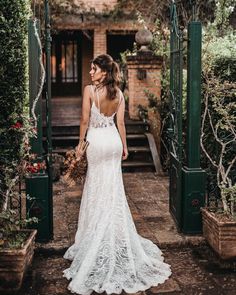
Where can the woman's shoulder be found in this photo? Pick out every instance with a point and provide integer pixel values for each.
(120, 93)
(87, 87)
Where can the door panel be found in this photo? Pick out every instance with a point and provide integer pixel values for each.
(66, 63)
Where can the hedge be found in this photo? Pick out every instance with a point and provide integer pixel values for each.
(13, 80)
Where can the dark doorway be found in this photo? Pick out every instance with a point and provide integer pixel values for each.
(118, 42)
(66, 63)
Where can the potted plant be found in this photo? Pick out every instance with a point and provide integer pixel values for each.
(218, 142)
(16, 250)
(16, 240)
(219, 216)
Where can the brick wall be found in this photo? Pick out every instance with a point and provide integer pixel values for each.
(87, 56)
(100, 41)
(152, 82)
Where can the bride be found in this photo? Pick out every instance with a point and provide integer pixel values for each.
(108, 255)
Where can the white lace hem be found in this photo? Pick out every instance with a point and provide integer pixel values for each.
(117, 289)
(119, 284)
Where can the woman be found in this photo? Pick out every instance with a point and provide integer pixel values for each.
(108, 254)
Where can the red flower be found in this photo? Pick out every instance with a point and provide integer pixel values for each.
(32, 169)
(17, 125)
(35, 167)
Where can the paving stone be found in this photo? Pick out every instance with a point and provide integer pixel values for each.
(164, 239)
(169, 286)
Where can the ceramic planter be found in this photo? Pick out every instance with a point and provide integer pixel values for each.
(221, 235)
(14, 264)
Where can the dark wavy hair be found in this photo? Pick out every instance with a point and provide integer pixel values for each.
(112, 79)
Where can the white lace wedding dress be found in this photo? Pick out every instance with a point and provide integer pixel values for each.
(108, 254)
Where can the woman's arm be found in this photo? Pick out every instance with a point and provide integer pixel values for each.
(86, 105)
(121, 126)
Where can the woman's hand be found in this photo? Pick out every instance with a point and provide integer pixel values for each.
(79, 151)
(125, 153)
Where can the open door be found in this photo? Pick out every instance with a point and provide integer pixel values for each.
(66, 63)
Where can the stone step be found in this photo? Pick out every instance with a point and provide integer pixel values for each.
(74, 137)
(138, 149)
(140, 153)
(136, 136)
(139, 159)
(132, 127)
(137, 140)
(137, 166)
(72, 140)
(133, 149)
(136, 153)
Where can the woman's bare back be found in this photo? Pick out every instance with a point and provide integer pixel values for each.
(106, 106)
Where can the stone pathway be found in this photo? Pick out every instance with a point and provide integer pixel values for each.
(147, 195)
(195, 268)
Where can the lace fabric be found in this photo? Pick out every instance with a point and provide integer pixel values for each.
(108, 254)
(98, 119)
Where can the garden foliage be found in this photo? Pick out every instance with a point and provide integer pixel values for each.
(218, 132)
(13, 89)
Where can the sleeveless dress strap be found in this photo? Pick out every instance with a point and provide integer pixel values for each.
(98, 100)
(92, 92)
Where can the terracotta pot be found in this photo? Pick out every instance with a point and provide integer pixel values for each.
(14, 264)
(221, 235)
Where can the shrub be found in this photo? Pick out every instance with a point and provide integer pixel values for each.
(218, 133)
(13, 88)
